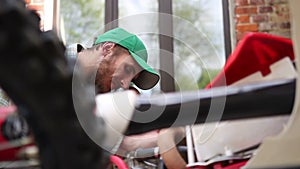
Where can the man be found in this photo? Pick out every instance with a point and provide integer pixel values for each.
(117, 59)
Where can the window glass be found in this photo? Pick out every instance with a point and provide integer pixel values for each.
(141, 18)
(199, 51)
(81, 20)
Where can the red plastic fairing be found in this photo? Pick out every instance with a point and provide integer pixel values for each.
(255, 52)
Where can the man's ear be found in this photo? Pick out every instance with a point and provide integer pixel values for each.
(107, 48)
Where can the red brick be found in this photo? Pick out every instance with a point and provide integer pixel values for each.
(259, 18)
(257, 2)
(284, 16)
(27, 1)
(285, 25)
(36, 7)
(241, 2)
(240, 35)
(280, 17)
(247, 27)
(246, 10)
(243, 19)
(265, 9)
(281, 8)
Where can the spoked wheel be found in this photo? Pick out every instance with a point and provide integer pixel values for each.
(37, 76)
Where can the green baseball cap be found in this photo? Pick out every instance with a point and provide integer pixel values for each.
(148, 77)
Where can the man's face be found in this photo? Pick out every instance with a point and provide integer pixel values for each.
(116, 73)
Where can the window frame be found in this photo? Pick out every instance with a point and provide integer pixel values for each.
(167, 82)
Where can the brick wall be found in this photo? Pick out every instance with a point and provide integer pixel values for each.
(38, 6)
(270, 16)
